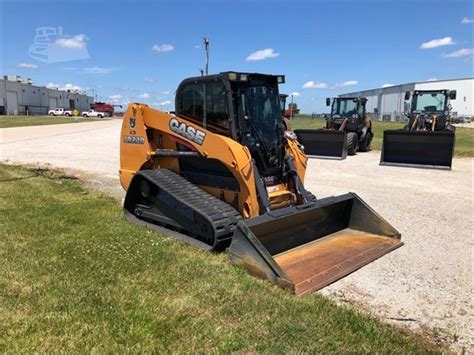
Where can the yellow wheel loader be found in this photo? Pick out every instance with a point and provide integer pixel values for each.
(223, 173)
(348, 130)
(427, 140)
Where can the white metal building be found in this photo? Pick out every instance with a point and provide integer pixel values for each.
(389, 103)
(18, 96)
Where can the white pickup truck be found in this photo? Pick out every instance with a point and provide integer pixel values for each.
(60, 112)
(93, 113)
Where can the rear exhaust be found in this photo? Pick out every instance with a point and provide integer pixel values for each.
(423, 149)
(323, 143)
(308, 247)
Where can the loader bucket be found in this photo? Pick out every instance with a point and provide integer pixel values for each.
(418, 149)
(308, 247)
(323, 143)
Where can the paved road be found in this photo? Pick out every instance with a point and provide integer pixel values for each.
(88, 146)
(427, 282)
(465, 125)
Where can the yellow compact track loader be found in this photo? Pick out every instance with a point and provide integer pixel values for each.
(224, 172)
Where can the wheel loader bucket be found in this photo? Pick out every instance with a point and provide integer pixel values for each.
(308, 247)
(323, 143)
(418, 149)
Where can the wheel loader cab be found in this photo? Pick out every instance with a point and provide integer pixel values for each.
(349, 111)
(429, 109)
(430, 102)
(242, 106)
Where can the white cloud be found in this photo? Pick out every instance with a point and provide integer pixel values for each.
(117, 100)
(459, 53)
(144, 96)
(431, 79)
(99, 71)
(467, 21)
(70, 87)
(162, 48)
(167, 92)
(262, 54)
(315, 85)
(197, 46)
(295, 94)
(167, 102)
(27, 66)
(77, 41)
(387, 85)
(438, 42)
(321, 85)
(346, 83)
(149, 80)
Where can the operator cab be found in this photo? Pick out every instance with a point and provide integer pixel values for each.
(242, 106)
(431, 101)
(347, 107)
(347, 113)
(429, 109)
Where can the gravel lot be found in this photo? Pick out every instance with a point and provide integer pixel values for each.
(426, 283)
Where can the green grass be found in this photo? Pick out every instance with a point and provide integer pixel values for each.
(20, 121)
(464, 142)
(76, 277)
(464, 146)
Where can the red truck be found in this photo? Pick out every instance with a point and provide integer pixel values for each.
(108, 109)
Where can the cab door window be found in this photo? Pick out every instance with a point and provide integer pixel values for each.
(217, 116)
(191, 103)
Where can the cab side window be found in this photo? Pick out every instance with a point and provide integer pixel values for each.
(191, 103)
(217, 116)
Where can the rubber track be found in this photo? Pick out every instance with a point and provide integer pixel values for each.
(220, 214)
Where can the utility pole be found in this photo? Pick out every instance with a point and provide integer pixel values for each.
(206, 47)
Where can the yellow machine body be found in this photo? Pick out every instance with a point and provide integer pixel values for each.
(145, 130)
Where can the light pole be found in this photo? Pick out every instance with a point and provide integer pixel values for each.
(206, 47)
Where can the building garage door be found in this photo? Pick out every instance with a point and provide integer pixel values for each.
(53, 103)
(12, 103)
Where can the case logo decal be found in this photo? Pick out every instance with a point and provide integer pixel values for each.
(187, 131)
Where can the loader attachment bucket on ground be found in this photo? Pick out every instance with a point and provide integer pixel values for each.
(308, 247)
(418, 148)
(323, 143)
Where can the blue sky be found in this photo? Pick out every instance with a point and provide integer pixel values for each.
(140, 51)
